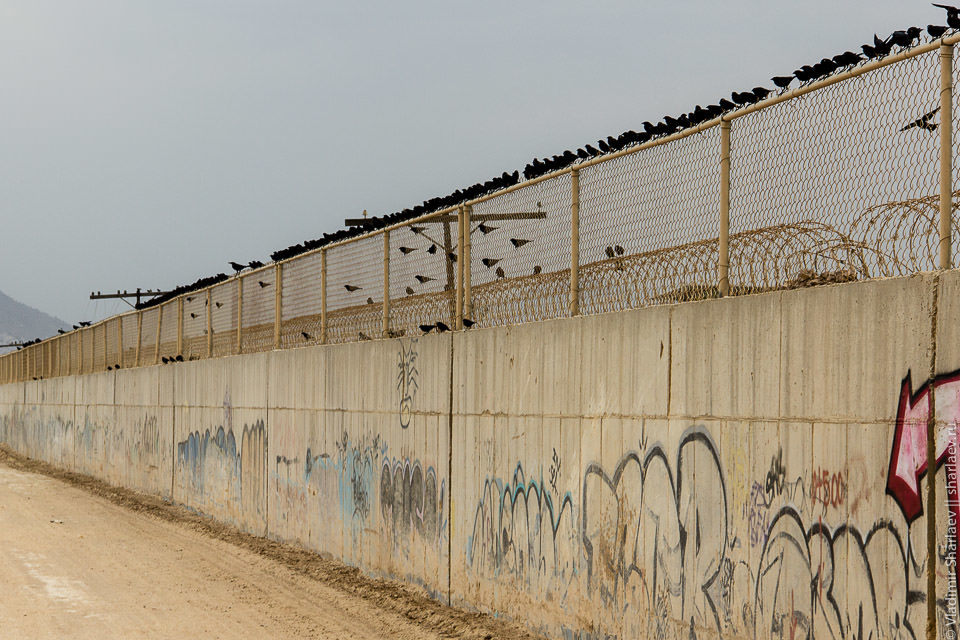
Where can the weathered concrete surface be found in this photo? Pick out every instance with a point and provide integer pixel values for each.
(737, 468)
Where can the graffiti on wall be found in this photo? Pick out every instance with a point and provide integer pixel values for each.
(407, 379)
(657, 547)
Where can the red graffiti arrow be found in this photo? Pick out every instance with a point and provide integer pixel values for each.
(908, 456)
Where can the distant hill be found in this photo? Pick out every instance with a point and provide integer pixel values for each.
(20, 322)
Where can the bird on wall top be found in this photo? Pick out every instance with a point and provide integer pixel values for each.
(237, 267)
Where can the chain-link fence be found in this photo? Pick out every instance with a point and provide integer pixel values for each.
(840, 179)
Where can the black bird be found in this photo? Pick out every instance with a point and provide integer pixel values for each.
(263, 284)
(369, 300)
(741, 98)
(923, 122)
(485, 229)
(726, 105)
(109, 368)
(363, 336)
(218, 304)
(518, 242)
(409, 291)
(452, 256)
(116, 366)
(847, 58)
(467, 322)
(423, 279)
(805, 73)
(179, 358)
(441, 327)
(537, 269)
(609, 252)
(306, 336)
(351, 288)
(781, 81)
(193, 315)
(61, 331)
(76, 327)
(432, 250)
(618, 250)
(824, 68)
(935, 30)
(761, 93)
(85, 323)
(254, 264)
(406, 250)
(164, 360)
(593, 151)
(416, 229)
(582, 153)
(604, 147)
(189, 298)
(236, 266)
(953, 15)
(500, 273)
(904, 38)
(427, 327)
(489, 262)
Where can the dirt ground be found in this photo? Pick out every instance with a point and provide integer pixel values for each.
(82, 559)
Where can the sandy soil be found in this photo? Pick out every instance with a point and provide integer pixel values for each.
(81, 559)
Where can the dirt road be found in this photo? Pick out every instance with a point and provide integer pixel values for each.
(77, 564)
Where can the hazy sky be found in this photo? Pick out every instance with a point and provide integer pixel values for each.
(148, 143)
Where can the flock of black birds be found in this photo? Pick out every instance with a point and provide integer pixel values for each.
(877, 49)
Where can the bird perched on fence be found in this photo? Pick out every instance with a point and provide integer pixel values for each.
(263, 284)
(218, 304)
(369, 300)
(306, 336)
(441, 327)
(254, 264)
(518, 242)
(432, 249)
(409, 291)
(618, 250)
(923, 122)
(193, 315)
(537, 269)
(61, 331)
(489, 262)
(782, 82)
(935, 30)
(237, 267)
(426, 328)
(406, 250)
(164, 359)
(500, 273)
(364, 336)
(423, 279)
(467, 322)
(905, 37)
(485, 228)
(416, 229)
(953, 15)
(84, 323)
(351, 288)
(609, 252)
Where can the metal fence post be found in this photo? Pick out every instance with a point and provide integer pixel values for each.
(180, 325)
(239, 347)
(386, 284)
(156, 350)
(106, 342)
(723, 249)
(120, 342)
(277, 304)
(946, 155)
(210, 322)
(575, 242)
(136, 355)
(323, 296)
(467, 272)
(458, 293)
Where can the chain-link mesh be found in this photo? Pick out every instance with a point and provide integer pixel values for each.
(258, 310)
(301, 301)
(168, 329)
(112, 356)
(649, 225)
(355, 290)
(840, 184)
(520, 247)
(223, 317)
(423, 274)
(195, 326)
(148, 336)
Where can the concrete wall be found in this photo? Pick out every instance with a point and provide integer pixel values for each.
(738, 468)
